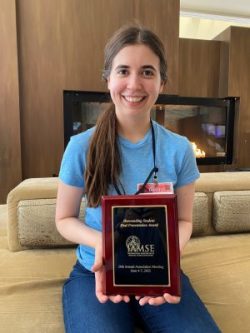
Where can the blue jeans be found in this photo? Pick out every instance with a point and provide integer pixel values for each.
(83, 313)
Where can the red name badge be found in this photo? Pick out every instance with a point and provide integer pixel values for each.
(151, 188)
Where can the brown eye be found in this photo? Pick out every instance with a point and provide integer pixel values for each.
(148, 73)
(122, 72)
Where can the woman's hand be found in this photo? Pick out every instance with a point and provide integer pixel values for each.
(99, 271)
(166, 298)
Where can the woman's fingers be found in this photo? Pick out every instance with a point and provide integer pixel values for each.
(144, 300)
(166, 298)
(115, 298)
(101, 297)
(171, 299)
(99, 287)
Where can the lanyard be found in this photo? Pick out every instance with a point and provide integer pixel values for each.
(153, 171)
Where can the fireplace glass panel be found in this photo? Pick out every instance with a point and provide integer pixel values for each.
(204, 126)
(207, 122)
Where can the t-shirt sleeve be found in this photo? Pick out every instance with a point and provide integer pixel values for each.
(73, 163)
(188, 171)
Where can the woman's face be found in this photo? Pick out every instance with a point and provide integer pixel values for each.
(135, 81)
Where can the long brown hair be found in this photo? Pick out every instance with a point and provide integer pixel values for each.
(103, 159)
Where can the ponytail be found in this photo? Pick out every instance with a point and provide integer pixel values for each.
(103, 159)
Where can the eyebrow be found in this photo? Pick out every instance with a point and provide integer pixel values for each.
(149, 67)
(121, 67)
(143, 67)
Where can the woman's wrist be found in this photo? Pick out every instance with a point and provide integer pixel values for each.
(185, 232)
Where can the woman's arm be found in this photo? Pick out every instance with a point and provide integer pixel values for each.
(185, 198)
(67, 221)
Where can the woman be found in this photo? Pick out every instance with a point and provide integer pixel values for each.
(112, 158)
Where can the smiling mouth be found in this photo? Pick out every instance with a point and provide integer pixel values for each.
(134, 99)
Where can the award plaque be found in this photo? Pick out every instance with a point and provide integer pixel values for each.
(141, 245)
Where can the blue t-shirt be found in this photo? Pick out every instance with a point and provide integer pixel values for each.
(174, 158)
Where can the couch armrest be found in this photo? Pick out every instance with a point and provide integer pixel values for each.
(31, 215)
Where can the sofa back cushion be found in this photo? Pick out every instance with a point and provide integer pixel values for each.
(35, 222)
(231, 211)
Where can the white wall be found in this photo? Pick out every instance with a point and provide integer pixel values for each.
(202, 28)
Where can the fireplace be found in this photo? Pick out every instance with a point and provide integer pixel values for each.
(208, 123)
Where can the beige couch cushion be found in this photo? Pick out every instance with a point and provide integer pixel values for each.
(219, 267)
(231, 211)
(31, 289)
(29, 189)
(36, 224)
(211, 182)
(200, 214)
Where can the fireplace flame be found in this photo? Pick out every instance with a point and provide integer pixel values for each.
(198, 152)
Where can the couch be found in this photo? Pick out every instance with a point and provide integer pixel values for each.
(35, 259)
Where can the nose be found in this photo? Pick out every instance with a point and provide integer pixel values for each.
(134, 81)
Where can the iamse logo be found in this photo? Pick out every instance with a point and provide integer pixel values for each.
(135, 248)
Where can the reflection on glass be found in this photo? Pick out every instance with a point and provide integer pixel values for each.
(203, 125)
(86, 114)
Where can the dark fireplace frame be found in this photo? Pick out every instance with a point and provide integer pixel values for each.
(72, 98)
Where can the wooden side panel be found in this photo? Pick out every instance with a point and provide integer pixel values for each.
(239, 85)
(235, 81)
(10, 147)
(224, 39)
(199, 64)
